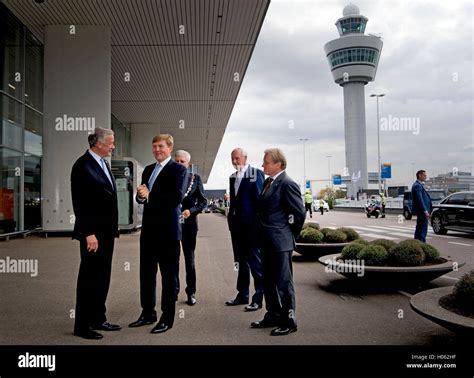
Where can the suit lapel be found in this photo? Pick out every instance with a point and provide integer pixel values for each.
(274, 185)
(163, 173)
(98, 169)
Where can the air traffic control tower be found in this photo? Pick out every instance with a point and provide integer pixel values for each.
(353, 60)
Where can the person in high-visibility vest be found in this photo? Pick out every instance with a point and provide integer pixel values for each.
(321, 206)
(384, 202)
(308, 202)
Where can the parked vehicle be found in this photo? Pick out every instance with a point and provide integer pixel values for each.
(436, 196)
(316, 205)
(455, 212)
(373, 208)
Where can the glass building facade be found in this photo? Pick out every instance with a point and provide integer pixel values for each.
(21, 127)
(353, 55)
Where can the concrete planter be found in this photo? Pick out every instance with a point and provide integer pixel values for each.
(313, 251)
(401, 275)
(426, 303)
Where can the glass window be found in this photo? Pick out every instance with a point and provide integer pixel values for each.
(11, 54)
(33, 132)
(10, 190)
(469, 198)
(11, 134)
(32, 192)
(456, 199)
(33, 72)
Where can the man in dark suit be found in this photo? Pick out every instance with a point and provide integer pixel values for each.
(94, 200)
(422, 206)
(245, 187)
(161, 192)
(280, 216)
(194, 202)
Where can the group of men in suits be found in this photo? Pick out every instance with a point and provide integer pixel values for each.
(172, 197)
(264, 219)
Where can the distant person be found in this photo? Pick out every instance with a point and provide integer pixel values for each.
(245, 187)
(280, 217)
(94, 200)
(194, 202)
(308, 202)
(384, 202)
(321, 206)
(422, 206)
(161, 192)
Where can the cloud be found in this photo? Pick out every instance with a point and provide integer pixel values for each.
(288, 93)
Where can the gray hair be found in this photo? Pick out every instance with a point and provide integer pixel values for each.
(277, 156)
(98, 135)
(184, 153)
(241, 150)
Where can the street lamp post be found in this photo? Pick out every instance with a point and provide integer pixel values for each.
(329, 170)
(304, 140)
(378, 138)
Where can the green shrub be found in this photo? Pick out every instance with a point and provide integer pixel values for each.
(310, 235)
(387, 244)
(431, 253)
(334, 236)
(350, 233)
(361, 241)
(464, 289)
(311, 225)
(325, 230)
(407, 253)
(349, 252)
(373, 255)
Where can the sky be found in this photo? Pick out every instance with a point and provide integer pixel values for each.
(425, 71)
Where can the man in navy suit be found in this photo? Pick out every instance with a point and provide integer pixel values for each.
(94, 200)
(194, 202)
(280, 218)
(245, 187)
(422, 206)
(161, 192)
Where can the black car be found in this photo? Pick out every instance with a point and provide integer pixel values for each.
(455, 212)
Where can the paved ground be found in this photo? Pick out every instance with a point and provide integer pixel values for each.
(330, 309)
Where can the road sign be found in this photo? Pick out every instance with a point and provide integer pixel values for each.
(386, 171)
(308, 184)
(337, 179)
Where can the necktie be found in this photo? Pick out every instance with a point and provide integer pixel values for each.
(153, 176)
(103, 163)
(238, 180)
(267, 185)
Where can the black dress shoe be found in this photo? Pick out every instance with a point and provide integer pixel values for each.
(143, 320)
(237, 301)
(191, 300)
(106, 326)
(282, 331)
(88, 333)
(160, 328)
(253, 307)
(263, 324)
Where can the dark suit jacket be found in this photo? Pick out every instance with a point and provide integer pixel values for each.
(421, 199)
(281, 215)
(243, 206)
(94, 199)
(162, 211)
(195, 200)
